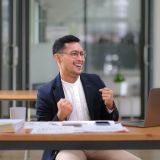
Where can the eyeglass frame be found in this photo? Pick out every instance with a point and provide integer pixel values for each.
(74, 54)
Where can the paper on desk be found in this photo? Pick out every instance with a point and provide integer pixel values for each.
(102, 128)
(10, 125)
(75, 127)
(33, 124)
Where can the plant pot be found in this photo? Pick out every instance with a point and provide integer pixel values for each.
(120, 88)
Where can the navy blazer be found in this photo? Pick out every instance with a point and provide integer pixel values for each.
(50, 93)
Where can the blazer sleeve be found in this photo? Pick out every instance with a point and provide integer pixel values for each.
(46, 107)
(114, 115)
(97, 109)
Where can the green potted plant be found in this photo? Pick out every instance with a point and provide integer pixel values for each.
(119, 77)
(120, 84)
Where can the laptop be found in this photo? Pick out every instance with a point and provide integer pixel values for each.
(152, 114)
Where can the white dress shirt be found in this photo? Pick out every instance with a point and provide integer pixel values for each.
(75, 94)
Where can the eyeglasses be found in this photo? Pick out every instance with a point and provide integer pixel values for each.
(75, 54)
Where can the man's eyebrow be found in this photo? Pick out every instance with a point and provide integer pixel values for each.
(76, 51)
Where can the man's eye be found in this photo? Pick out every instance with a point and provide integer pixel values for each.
(74, 53)
(82, 54)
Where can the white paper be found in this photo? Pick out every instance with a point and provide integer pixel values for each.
(10, 125)
(73, 127)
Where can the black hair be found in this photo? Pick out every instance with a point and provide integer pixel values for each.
(60, 42)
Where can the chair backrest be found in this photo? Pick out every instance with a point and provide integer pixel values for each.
(18, 113)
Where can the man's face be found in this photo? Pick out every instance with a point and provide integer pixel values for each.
(71, 59)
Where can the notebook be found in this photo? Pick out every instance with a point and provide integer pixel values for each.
(152, 114)
(10, 125)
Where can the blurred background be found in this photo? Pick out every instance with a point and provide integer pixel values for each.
(120, 36)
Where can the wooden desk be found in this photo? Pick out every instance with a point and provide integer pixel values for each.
(21, 95)
(30, 95)
(136, 138)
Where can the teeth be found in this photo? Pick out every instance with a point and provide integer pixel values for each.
(78, 65)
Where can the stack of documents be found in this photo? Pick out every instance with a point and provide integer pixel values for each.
(74, 127)
(10, 125)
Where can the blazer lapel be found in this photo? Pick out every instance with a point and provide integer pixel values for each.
(89, 94)
(58, 90)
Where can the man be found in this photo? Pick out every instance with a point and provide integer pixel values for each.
(74, 95)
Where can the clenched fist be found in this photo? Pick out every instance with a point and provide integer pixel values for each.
(107, 96)
(64, 109)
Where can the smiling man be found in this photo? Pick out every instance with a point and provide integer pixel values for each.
(74, 95)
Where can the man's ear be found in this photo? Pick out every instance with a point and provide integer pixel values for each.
(57, 58)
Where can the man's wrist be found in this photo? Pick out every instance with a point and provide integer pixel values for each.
(110, 109)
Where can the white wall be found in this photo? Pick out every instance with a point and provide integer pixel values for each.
(156, 46)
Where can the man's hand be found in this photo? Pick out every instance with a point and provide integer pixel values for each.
(107, 96)
(64, 109)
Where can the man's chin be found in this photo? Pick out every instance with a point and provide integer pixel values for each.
(78, 73)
